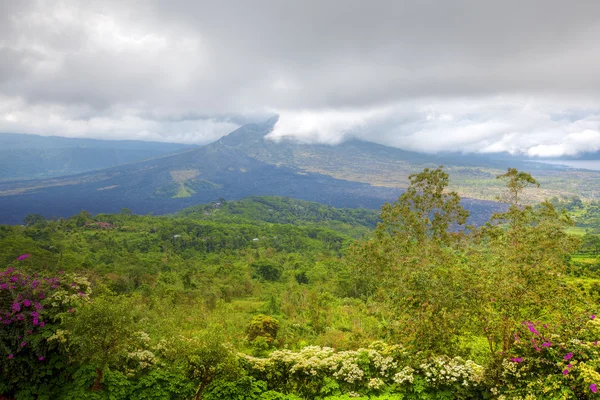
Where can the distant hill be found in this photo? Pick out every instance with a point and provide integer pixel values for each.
(283, 210)
(226, 169)
(35, 157)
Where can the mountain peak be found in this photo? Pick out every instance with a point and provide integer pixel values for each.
(249, 133)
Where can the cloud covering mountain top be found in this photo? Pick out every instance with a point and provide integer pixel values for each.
(518, 76)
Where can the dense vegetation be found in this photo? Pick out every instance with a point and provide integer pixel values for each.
(272, 298)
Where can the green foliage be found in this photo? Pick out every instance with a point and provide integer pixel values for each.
(245, 388)
(267, 270)
(173, 297)
(203, 358)
(263, 326)
(415, 263)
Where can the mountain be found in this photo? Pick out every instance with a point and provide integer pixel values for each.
(34, 157)
(239, 165)
(472, 175)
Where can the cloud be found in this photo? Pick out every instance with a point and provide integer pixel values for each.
(487, 125)
(431, 75)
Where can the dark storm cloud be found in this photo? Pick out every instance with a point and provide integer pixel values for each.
(477, 75)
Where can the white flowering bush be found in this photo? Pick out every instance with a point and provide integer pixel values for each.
(320, 371)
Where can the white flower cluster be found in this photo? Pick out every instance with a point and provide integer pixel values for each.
(314, 360)
(349, 371)
(375, 383)
(448, 371)
(406, 375)
(373, 367)
(144, 358)
(80, 289)
(143, 336)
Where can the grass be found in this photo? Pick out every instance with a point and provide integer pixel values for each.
(183, 192)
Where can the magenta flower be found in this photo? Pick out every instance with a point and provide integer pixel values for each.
(594, 388)
(592, 316)
(517, 359)
(23, 344)
(568, 356)
(531, 327)
(10, 356)
(23, 257)
(41, 358)
(547, 344)
(16, 307)
(27, 302)
(565, 372)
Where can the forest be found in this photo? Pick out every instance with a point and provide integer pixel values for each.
(271, 298)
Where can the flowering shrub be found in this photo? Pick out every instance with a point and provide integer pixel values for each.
(561, 361)
(320, 371)
(30, 307)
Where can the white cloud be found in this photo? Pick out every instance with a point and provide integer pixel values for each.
(516, 75)
(500, 124)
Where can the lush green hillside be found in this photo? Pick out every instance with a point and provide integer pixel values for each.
(273, 298)
(284, 210)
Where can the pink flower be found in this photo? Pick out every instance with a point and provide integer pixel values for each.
(517, 359)
(10, 356)
(594, 388)
(41, 358)
(565, 372)
(592, 316)
(23, 257)
(568, 356)
(26, 303)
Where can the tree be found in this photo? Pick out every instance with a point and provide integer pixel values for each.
(34, 219)
(518, 258)
(102, 333)
(516, 182)
(591, 243)
(414, 263)
(267, 270)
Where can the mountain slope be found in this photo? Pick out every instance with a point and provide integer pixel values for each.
(35, 157)
(173, 182)
(471, 175)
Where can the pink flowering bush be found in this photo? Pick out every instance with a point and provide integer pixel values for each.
(30, 308)
(561, 360)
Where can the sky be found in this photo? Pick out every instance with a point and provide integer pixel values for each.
(515, 76)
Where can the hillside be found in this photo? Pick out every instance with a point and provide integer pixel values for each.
(283, 210)
(276, 298)
(35, 157)
(473, 175)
